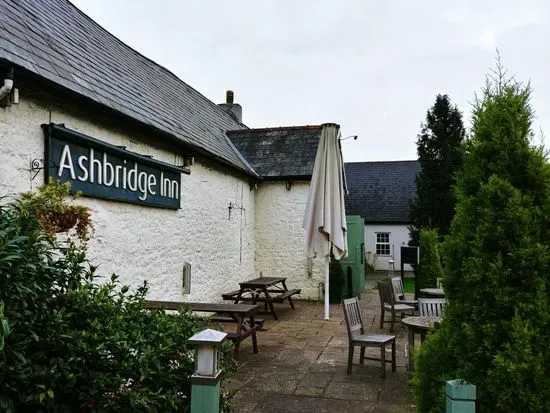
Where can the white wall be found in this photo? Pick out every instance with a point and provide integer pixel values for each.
(140, 242)
(280, 237)
(399, 235)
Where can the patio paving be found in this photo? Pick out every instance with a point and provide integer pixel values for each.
(302, 359)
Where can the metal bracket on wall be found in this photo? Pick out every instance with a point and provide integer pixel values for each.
(37, 165)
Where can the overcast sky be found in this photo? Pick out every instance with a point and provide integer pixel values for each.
(374, 67)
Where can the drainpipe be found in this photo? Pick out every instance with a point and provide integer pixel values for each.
(8, 83)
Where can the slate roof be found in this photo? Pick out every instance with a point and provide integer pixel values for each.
(381, 191)
(55, 40)
(279, 153)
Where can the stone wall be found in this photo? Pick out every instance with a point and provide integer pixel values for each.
(280, 238)
(143, 243)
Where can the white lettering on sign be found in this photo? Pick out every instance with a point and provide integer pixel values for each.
(66, 162)
(101, 171)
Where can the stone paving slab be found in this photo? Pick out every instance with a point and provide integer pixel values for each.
(302, 361)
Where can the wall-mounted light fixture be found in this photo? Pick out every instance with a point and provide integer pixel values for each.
(288, 185)
(349, 137)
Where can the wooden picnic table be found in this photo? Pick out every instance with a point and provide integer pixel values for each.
(418, 325)
(241, 314)
(264, 289)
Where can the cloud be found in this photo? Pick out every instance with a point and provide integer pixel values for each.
(373, 67)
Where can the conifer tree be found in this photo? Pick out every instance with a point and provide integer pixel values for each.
(496, 328)
(439, 148)
(429, 267)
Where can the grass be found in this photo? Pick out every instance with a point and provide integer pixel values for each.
(408, 285)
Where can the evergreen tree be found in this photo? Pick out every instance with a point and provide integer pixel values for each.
(439, 148)
(429, 267)
(496, 328)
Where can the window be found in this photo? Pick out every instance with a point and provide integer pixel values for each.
(382, 243)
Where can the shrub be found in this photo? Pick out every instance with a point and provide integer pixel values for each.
(496, 328)
(429, 267)
(68, 344)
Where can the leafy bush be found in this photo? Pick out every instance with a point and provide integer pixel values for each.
(429, 267)
(496, 328)
(68, 344)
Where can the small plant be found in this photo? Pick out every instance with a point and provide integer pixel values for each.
(53, 208)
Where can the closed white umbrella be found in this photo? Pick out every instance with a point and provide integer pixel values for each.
(325, 216)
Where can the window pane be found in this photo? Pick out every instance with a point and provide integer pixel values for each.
(383, 243)
(383, 249)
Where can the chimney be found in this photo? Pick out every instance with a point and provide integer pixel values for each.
(234, 109)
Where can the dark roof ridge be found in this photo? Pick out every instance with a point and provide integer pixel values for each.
(276, 129)
(393, 160)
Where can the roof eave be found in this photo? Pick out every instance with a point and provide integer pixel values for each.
(171, 138)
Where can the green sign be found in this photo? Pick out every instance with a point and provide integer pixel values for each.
(99, 169)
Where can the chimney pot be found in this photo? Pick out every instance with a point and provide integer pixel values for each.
(229, 95)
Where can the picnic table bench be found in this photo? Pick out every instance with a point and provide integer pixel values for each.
(241, 314)
(268, 290)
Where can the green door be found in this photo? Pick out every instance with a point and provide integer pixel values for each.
(354, 264)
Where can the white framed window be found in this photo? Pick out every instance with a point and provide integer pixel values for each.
(383, 244)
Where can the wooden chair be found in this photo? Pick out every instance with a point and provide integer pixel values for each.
(388, 303)
(357, 337)
(399, 292)
(431, 307)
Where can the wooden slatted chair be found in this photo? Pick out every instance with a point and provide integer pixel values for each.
(431, 307)
(399, 292)
(357, 337)
(388, 303)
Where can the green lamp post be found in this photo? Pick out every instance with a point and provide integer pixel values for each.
(205, 382)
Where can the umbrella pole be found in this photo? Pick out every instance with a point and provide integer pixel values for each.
(327, 261)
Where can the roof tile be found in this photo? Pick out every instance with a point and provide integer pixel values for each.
(278, 153)
(56, 41)
(381, 191)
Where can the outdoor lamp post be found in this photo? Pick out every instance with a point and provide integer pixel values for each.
(205, 382)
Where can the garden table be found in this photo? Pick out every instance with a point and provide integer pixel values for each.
(241, 314)
(264, 289)
(419, 325)
(433, 292)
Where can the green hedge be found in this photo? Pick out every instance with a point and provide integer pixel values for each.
(70, 342)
